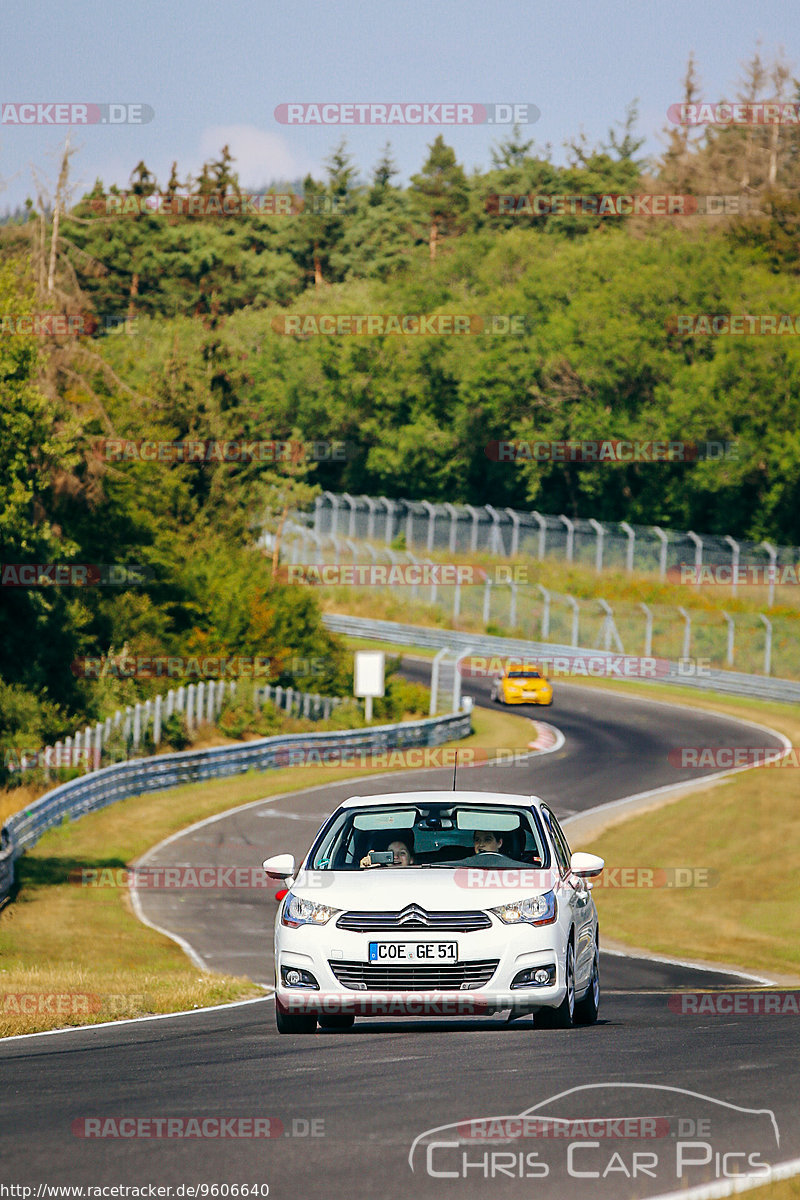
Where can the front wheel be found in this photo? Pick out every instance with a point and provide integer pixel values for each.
(586, 1009)
(294, 1022)
(562, 1017)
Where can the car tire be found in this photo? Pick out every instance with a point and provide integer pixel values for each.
(294, 1022)
(562, 1017)
(586, 1009)
(336, 1020)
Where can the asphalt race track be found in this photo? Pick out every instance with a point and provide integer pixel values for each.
(373, 1112)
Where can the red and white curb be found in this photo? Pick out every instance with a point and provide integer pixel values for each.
(548, 738)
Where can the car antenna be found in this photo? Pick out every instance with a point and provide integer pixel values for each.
(455, 768)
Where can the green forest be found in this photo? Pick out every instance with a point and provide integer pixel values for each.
(184, 307)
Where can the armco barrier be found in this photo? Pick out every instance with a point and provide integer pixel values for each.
(101, 788)
(735, 683)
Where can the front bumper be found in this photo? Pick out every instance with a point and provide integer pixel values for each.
(532, 698)
(318, 951)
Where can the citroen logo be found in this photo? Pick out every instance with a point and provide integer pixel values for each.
(413, 915)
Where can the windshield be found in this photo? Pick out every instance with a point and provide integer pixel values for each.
(524, 675)
(434, 835)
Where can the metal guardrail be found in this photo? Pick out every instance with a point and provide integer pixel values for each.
(734, 683)
(98, 789)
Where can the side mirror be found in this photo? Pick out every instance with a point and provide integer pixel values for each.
(586, 865)
(280, 866)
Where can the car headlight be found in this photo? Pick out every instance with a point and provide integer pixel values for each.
(534, 910)
(297, 912)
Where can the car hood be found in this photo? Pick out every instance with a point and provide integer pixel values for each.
(443, 889)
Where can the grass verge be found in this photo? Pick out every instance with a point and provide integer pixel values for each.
(743, 831)
(79, 956)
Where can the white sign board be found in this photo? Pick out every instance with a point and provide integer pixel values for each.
(369, 673)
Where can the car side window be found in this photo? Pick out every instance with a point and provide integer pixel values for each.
(561, 837)
(559, 841)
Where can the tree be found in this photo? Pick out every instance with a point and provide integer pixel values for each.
(440, 193)
(513, 151)
(678, 163)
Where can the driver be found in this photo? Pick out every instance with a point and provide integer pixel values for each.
(486, 842)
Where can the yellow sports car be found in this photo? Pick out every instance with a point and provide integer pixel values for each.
(522, 685)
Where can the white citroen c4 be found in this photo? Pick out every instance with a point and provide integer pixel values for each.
(436, 904)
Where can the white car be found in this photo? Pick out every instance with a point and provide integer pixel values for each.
(436, 903)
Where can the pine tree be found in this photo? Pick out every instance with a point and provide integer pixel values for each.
(440, 192)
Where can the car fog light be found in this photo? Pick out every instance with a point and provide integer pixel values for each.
(296, 977)
(535, 977)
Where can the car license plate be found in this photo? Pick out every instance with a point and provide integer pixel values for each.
(422, 952)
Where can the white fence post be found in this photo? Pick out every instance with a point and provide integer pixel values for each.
(545, 612)
(631, 536)
(576, 616)
(767, 644)
(157, 722)
(598, 550)
(731, 634)
(648, 629)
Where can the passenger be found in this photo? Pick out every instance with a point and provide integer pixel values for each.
(485, 842)
(402, 849)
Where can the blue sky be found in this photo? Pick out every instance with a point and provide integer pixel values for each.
(215, 73)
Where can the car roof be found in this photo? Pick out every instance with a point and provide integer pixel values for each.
(440, 797)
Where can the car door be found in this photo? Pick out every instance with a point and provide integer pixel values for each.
(578, 897)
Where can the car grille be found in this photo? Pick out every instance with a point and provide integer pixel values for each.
(415, 918)
(389, 977)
